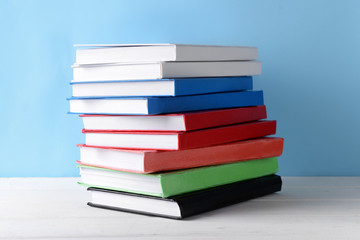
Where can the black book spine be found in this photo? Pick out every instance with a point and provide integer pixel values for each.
(227, 195)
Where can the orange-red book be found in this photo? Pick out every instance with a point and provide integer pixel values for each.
(147, 161)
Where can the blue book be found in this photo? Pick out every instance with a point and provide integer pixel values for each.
(162, 105)
(161, 87)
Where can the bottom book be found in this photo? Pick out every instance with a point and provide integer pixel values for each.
(185, 205)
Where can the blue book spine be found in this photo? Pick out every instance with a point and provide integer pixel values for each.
(161, 105)
(193, 86)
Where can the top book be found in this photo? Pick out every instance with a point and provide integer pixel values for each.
(120, 53)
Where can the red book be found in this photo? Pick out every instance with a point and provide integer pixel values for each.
(174, 122)
(180, 140)
(147, 161)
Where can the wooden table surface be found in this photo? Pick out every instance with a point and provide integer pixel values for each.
(307, 208)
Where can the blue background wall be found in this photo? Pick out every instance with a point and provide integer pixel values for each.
(311, 76)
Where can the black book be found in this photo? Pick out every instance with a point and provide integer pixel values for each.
(185, 205)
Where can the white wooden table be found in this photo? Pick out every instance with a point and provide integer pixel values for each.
(307, 208)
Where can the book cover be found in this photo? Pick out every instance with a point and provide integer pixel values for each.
(186, 205)
(177, 182)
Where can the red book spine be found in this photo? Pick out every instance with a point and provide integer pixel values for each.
(208, 119)
(226, 134)
(214, 155)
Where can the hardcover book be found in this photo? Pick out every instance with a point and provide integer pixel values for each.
(148, 161)
(177, 182)
(113, 53)
(163, 105)
(185, 205)
(161, 87)
(159, 70)
(179, 140)
(174, 122)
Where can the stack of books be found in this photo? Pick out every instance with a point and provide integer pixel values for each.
(173, 130)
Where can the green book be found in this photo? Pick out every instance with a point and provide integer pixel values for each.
(177, 182)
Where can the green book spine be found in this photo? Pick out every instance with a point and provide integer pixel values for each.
(189, 180)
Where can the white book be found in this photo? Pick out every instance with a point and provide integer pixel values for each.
(112, 53)
(160, 70)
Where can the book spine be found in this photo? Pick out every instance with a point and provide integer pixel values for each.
(228, 195)
(228, 134)
(194, 86)
(201, 178)
(214, 155)
(205, 102)
(224, 117)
